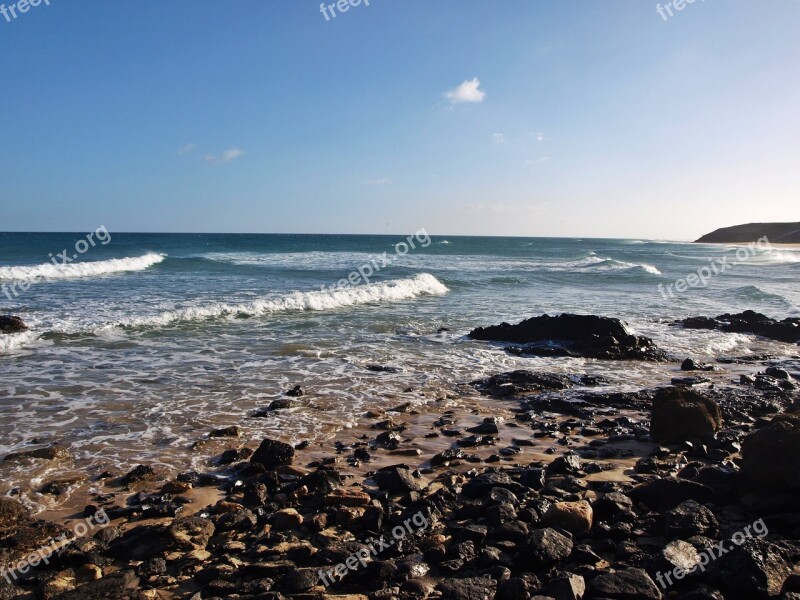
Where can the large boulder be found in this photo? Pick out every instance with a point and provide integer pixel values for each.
(680, 414)
(9, 324)
(272, 453)
(754, 569)
(771, 456)
(586, 336)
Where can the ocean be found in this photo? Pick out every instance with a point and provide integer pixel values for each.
(143, 343)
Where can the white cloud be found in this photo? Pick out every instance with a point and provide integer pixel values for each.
(469, 91)
(186, 149)
(539, 137)
(227, 156)
(499, 138)
(383, 181)
(538, 161)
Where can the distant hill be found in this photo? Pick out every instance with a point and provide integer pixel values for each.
(777, 233)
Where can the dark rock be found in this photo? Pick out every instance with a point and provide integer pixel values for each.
(680, 414)
(382, 369)
(665, 494)
(300, 580)
(226, 432)
(295, 392)
(626, 584)
(192, 533)
(771, 455)
(777, 373)
(569, 464)
(142, 543)
(610, 505)
(472, 588)
(690, 365)
(586, 336)
(9, 324)
(396, 478)
(544, 548)
(566, 586)
(231, 456)
(54, 452)
(690, 518)
(119, 586)
(11, 512)
(446, 457)
(751, 322)
(755, 569)
(272, 453)
(139, 473)
(482, 484)
(488, 427)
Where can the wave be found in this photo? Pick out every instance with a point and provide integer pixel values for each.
(13, 341)
(423, 284)
(49, 271)
(753, 292)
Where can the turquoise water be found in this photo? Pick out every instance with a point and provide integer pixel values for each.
(145, 341)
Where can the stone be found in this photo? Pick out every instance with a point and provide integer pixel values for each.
(192, 533)
(690, 518)
(755, 569)
(396, 478)
(585, 336)
(680, 414)
(226, 432)
(625, 584)
(567, 586)
(545, 547)
(575, 517)
(611, 504)
(665, 494)
(11, 324)
(471, 588)
(771, 456)
(287, 518)
(54, 452)
(272, 454)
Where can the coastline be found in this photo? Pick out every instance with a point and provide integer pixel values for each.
(543, 493)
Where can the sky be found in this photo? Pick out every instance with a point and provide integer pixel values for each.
(571, 118)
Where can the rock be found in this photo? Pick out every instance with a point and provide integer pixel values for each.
(272, 454)
(295, 392)
(60, 583)
(521, 382)
(192, 533)
(9, 324)
(751, 322)
(611, 504)
(59, 487)
(396, 478)
(665, 494)
(142, 543)
(482, 484)
(488, 427)
(626, 584)
(226, 432)
(300, 580)
(569, 464)
(120, 586)
(690, 365)
(139, 473)
(755, 569)
(681, 554)
(679, 415)
(287, 518)
(585, 336)
(11, 512)
(777, 373)
(54, 452)
(575, 517)
(567, 586)
(771, 456)
(690, 518)
(544, 548)
(471, 588)
(233, 456)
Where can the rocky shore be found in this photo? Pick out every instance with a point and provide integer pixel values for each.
(555, 486)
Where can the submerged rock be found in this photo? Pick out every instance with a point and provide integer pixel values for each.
(9, 324)
(585, 336)
(751, 322)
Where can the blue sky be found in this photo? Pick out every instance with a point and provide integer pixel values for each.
(564, 118)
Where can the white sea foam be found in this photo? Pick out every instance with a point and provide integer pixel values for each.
(423, 284)
(11, 342)
(79, 269)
